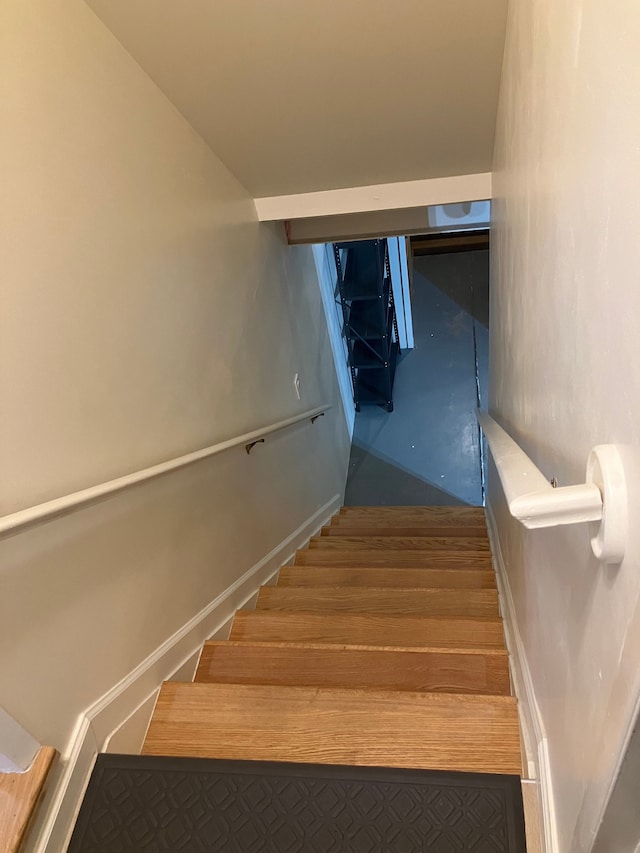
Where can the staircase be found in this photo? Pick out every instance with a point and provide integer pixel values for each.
(381, 646)
(344, 713)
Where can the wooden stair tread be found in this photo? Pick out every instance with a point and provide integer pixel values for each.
(428, 513)
(368, 629)
(348, 528)
(411, 578)
(382, 645)
(416, 602)
(19, 796)
(350, 667)
(333, 726)
(402, 543)
(392, 559)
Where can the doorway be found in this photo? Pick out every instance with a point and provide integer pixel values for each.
(428, 451)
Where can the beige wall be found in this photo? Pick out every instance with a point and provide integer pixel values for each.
(565, 366)
(145, 314)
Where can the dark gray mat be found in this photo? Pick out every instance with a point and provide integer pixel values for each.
(144, 804)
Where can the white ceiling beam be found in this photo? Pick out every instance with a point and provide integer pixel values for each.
(377, 197)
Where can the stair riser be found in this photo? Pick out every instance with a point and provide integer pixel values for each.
(367, 630)
(401, 544)
(231, 663)
(350, 529)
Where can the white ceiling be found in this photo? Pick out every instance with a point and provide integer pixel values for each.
(300, 95)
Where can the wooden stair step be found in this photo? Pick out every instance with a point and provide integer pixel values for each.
(333, 726)
(443, 514)
(368, 629)
(411, 602)
(349, 528)
(474, 545)
(318, 665)
(20, 796)
(398, 578)
(390, 559)
(412, 515)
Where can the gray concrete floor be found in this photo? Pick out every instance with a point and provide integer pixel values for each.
(427, 451)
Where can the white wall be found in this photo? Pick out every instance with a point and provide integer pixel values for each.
(565, 366)
(401, 286)
(17, 748)
(328, 281)
(145, 314)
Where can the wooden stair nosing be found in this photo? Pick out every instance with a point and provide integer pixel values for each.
(349, 667)
(427, 512)
(401, 543)
(293, 644)
(377, 577)
(416, 602)
(334, 726)
(366, 629)
(408, 519)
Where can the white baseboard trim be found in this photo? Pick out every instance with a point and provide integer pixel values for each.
(120, 717)
(531, 724)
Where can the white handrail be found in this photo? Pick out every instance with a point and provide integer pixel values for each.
(535, 502)
(58, 506)
(531, 497)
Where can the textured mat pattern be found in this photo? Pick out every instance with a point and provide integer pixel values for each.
(144, 804)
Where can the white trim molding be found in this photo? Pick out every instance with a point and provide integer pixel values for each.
(397, 249)
(390, 196)
(534, 737)
(328, 283)
(122, 714)
(60, 506)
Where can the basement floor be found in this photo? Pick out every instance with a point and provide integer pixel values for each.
(405, 457)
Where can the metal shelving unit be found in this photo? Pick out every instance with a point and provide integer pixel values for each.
(370, 325)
